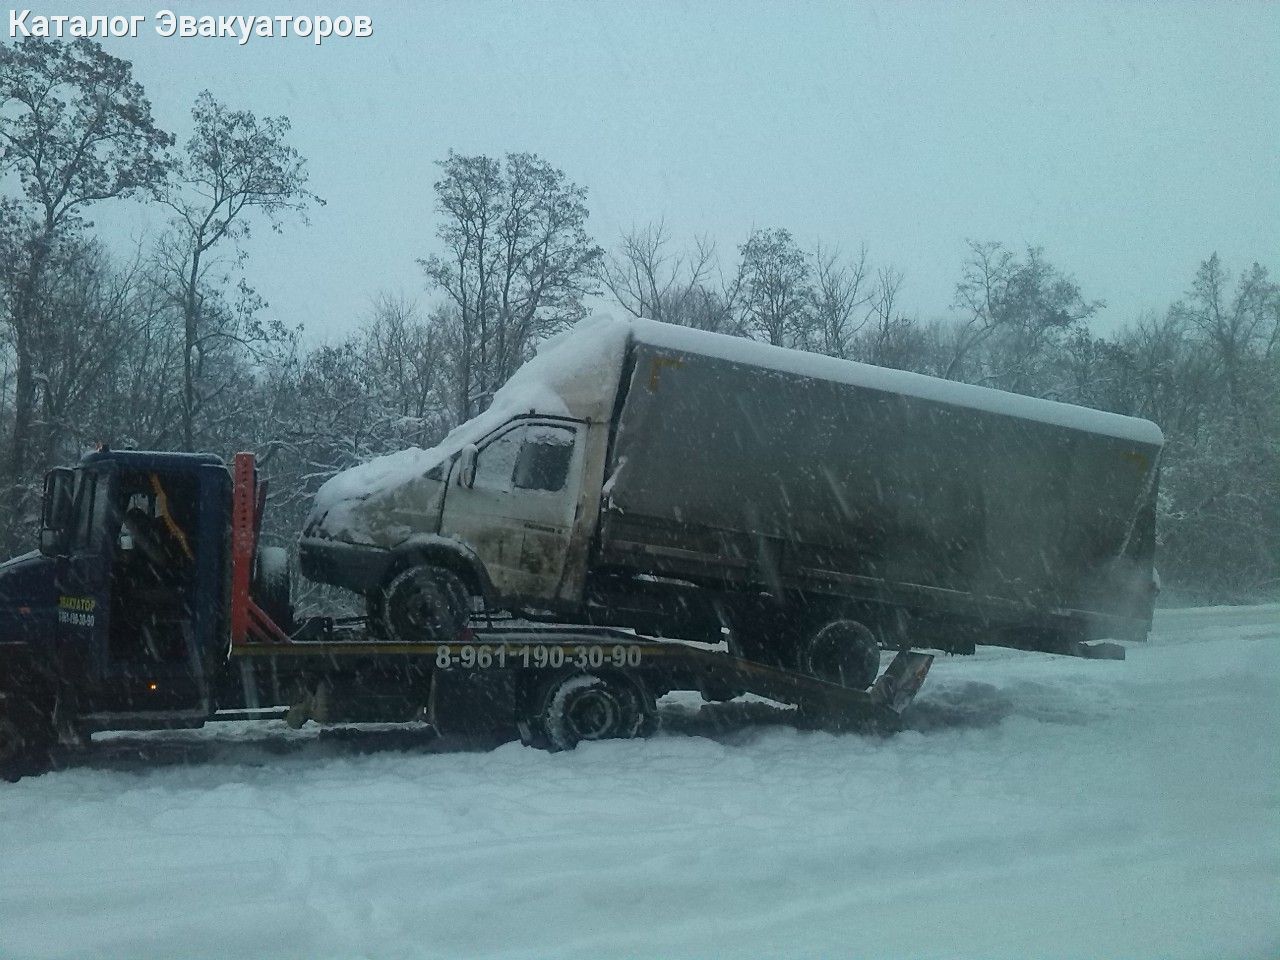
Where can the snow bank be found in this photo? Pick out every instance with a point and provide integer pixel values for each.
(1038, 807)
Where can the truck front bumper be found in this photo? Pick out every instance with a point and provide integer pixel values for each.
(358, 567)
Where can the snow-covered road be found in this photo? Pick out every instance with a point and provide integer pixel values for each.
(1038, 807)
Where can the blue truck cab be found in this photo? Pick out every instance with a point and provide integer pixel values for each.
(120, 614)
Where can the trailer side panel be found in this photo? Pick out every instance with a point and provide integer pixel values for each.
(729, 471)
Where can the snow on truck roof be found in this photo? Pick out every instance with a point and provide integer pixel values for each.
(753, 353)
(574, 374)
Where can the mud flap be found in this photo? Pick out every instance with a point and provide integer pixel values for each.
(898, 685)
(876, 711)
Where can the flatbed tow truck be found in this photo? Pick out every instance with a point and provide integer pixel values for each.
(105, 629)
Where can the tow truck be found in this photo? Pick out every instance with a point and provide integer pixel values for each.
(152, 603)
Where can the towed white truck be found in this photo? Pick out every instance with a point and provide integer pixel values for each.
(805, 510)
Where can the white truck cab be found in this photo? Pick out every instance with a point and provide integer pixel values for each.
(503, 509)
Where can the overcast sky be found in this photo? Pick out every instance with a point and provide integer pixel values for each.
(1130, 140)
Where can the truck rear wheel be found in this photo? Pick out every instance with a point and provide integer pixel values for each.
(424, 603)
(586, 706)
(843, 652)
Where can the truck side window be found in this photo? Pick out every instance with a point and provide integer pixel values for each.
(93, 509)
(528, 457)
(104, 514)
(543, 462)
(85, 508)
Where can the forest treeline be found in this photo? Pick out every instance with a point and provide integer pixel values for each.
(168, 347)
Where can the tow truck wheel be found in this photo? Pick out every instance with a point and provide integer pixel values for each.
(12, 746)
(586, 706)
(21, 753)
(424, 603)
(843, 652)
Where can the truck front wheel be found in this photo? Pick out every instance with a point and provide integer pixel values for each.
(424, 603)
(843, 652)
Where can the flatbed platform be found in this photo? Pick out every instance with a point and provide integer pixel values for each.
(490, 658)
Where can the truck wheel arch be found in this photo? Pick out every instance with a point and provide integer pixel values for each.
(449, 554)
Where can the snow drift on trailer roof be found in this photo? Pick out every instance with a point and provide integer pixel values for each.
(750, 352)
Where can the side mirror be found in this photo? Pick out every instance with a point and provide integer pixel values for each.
(467, 466)
(56, 511)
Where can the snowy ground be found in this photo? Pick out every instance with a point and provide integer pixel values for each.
(1038, 807)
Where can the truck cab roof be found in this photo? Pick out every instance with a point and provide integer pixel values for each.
(151, 459)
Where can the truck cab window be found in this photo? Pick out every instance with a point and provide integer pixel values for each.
(528, 457)
(153, 575)
(496, 461)
(543, 461)
(85, 489)
(93, 504)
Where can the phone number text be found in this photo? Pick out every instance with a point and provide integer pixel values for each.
(537, 656)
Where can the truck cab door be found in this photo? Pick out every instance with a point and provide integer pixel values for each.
(516, 509)
(140, 575)
(83, 582)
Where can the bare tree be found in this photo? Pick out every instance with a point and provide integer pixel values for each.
(76, 129)
(87, 321)
(1024, 304)
(1241, 327)
(772, 293)
(840, 300)
(404, 355)
(138, 401)
(234, 165)
(647, 279)
(892, 339)
(516, 265)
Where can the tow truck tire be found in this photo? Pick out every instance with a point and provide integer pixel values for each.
(13, 747)
(843, 652)
(586, 706)
(424, 603)
(22, 752)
